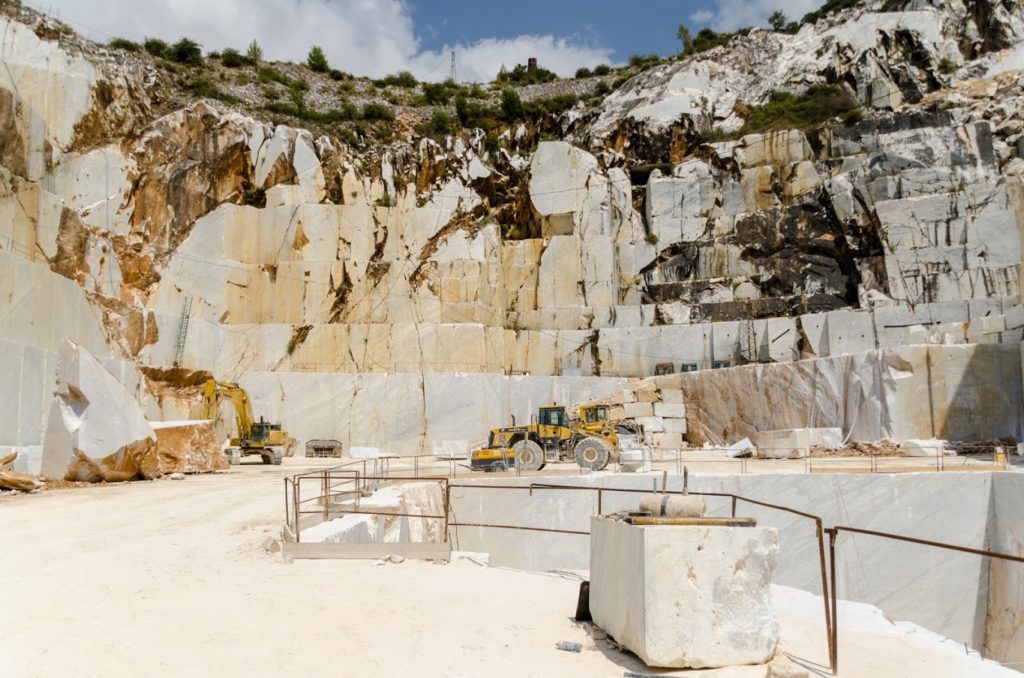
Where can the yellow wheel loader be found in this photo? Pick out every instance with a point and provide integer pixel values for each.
(254, 437)
(591, 440)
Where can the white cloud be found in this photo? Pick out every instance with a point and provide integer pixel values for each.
(482, 60)
(366, 37)
(732, 14)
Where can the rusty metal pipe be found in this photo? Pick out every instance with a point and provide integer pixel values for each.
(926, 542)
(297, 494)
(833, 651)
(519, 527)
(380, 513)
(825, 590)
(447, 506)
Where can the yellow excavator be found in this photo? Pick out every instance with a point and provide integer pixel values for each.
(254, 437)
(591, 440)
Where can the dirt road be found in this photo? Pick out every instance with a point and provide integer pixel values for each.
(167, 578)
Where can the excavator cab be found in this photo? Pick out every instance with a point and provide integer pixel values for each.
(260, 431)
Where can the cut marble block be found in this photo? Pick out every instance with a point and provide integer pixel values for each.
(676, 410)
(786, 444)
(685, 597)
(633, 410)
(923, 448)
(674, 425)
(671, 395)
(651, 424)
(668, 441)
(183, 447)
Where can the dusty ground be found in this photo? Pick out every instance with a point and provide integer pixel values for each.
(168, 578)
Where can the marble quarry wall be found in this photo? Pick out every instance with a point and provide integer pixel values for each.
(323, 276)
(969, 392)
(958, 595)
(1004, 624)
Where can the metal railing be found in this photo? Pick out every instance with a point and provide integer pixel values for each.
(868, 463)
(330, 480)
(353, 478)
(833, 535)
(600, 491)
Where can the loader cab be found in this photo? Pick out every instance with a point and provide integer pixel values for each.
(594, 414)
(553, 416)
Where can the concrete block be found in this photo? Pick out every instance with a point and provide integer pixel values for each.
(670, 410)
(685, 597)
(646, 396)
(634, 410)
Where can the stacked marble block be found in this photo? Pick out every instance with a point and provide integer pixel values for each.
(685, 596)
(660, 412)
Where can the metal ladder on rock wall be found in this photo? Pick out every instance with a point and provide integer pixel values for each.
(179, 346)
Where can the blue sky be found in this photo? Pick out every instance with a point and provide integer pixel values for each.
(377, 37)
(601, 24)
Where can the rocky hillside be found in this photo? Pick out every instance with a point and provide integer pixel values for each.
(849, 186)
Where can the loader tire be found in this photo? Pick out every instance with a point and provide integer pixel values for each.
(591, 453)
(529, 456)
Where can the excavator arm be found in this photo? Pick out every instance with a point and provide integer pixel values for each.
(254, 437)
(244, 418)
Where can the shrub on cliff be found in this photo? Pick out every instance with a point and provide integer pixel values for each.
(186, 51)
(126, 45)
(156, 47)
(521, 75)
(255, 52)
(375, 111)
(439, 124)
(317, 60)
(812, 107)
(232, 58)
(401, 79)
(511, 105)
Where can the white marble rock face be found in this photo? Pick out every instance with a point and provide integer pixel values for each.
(91, 412)
(685, 597)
